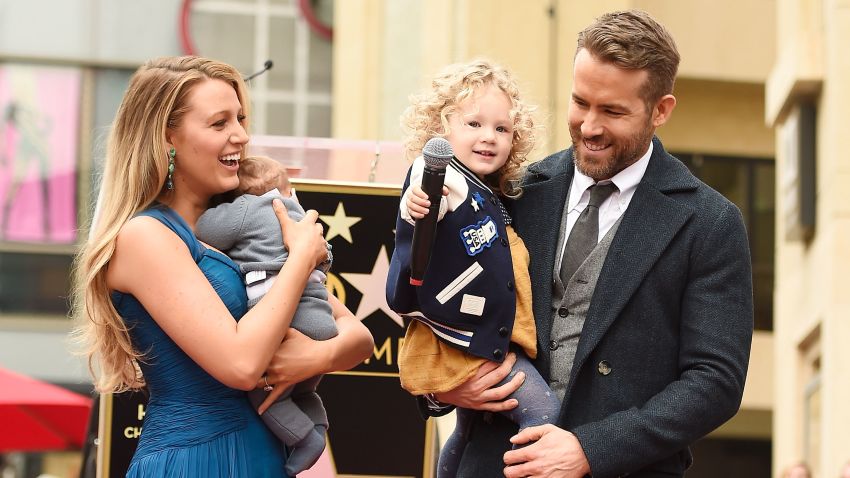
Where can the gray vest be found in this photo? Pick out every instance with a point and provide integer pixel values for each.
(569, 309)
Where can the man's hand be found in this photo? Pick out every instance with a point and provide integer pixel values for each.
(551, 452)
(477, 392)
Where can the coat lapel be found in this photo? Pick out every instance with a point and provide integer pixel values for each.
(544, 197)
(651, 221)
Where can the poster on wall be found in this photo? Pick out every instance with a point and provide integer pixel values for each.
(39, 130)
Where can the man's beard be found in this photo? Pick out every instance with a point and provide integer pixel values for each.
(624, 153)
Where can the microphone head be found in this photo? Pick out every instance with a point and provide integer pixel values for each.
(268, 65)
(437, 153)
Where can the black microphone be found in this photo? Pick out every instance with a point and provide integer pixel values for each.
(266, 67)
(437, 154)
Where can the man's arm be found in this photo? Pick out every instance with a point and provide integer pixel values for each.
(477, 393)
(715, 330)
(715, 333)
(480, 391)
(553, 452)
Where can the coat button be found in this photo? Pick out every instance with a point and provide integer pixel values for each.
(498, 354)
(493, 200)
(563, 312)
(553, 345)
(510, 285)
(504, 242)
(503, 331)
(604, 368)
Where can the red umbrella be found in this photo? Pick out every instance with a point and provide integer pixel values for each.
(37, 416)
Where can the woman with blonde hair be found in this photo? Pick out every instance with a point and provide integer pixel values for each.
(159, 308)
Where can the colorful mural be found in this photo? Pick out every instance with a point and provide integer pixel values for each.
(39, 131)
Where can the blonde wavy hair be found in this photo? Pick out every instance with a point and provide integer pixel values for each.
(135, 170)
(428, 113)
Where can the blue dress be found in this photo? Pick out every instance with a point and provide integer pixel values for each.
(194, 425)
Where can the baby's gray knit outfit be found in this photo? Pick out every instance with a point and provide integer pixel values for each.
(248, 231)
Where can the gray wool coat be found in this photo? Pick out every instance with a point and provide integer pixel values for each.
(672, 315)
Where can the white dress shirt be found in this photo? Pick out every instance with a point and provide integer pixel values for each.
(614, 205)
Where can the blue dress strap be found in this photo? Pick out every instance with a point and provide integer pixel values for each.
(173, 221)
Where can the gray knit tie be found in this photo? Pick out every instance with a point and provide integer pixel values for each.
(585, 233)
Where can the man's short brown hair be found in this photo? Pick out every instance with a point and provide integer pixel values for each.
(635, 41)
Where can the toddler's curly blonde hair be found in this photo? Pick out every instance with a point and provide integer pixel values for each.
(427, 116)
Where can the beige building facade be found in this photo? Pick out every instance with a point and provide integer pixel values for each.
(761, 116)
(387, 49)
(807, 99)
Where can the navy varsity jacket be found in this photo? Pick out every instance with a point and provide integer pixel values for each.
(467, 296)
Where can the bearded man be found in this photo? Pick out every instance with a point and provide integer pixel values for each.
(641, 279)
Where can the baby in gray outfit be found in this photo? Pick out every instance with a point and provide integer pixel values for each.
(248, 231)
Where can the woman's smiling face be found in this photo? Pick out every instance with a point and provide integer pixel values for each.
(209, 140)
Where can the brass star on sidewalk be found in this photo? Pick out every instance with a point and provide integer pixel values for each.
(339, 224)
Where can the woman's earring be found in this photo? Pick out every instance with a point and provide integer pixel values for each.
(169, 180)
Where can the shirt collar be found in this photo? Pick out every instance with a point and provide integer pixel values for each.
(470, 176)
(626, 181)
(274, 192)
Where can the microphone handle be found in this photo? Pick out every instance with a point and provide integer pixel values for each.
(425, 230)
(432, 184)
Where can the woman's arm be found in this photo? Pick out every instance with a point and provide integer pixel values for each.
(357, 344)
(300, 357)
(154, 265)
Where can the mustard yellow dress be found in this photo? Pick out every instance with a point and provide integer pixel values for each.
(428, 365)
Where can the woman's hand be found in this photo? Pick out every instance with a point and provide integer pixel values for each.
(302, 237)
(298, 358)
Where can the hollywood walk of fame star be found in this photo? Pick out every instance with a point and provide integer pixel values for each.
(339, 224)
(373, 288)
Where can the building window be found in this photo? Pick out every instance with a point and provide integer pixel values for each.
(731, 457)
(40, 116)
(35, 283)
(39, 124)
(48, 114)
(750, 184)
(294, 97)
